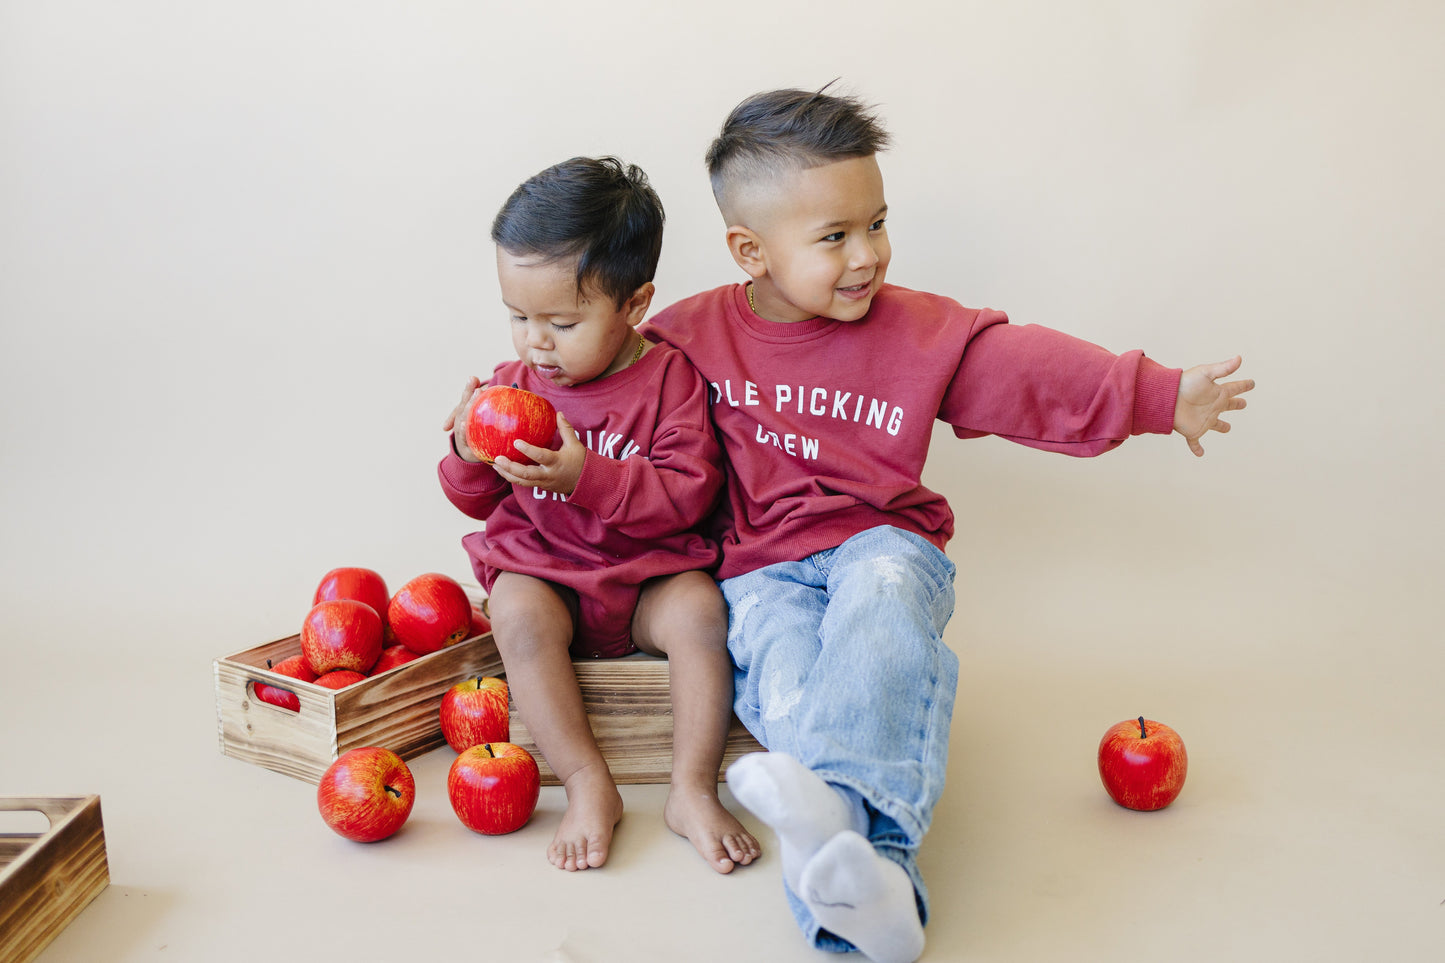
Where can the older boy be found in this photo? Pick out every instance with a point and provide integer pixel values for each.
(594, 549)
(825, 385)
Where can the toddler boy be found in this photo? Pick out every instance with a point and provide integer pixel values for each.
(593, 551)
(826, 382)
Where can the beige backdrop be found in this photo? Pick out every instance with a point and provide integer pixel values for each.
(244, 271)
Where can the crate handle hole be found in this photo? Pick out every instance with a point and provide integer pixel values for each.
(24, 822)
(251, 696)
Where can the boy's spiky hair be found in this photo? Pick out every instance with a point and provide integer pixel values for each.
(598, 210)
(786, 130)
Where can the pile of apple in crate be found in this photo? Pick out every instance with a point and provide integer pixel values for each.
(374, 678)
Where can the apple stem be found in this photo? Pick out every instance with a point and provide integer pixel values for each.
(488, 748)
(394, 791)
(1142, 733)
(479, 682)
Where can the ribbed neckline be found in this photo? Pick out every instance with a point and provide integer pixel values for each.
(775, 330)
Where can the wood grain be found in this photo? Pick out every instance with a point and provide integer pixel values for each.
(629, 705)
(49, 877)
(398, 709)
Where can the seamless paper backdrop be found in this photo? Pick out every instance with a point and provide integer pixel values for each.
(244, 272)
(246, 268)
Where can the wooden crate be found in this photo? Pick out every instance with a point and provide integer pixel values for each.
(399, 709)
(627, 701)
(47, 878)
(629, 706)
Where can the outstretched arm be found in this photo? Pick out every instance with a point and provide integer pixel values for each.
(1201, 401)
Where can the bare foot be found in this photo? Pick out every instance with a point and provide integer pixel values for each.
(594, 807)
(698, 815)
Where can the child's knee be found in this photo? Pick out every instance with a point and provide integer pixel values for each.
(528, 614)
(688, 608)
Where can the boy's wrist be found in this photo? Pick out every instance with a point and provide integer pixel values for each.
(1156, 396)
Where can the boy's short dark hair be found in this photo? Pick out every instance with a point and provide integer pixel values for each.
(598, 210)
(791, 130)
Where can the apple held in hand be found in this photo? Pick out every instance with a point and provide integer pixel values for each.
(499, 415)
(366, 794)
(341, 634)
(296, 668)
(494, 787)
(357, 584)
(475, 712)
(430, 612)
(1142, 764)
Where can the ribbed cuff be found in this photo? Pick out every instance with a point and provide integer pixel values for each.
(602, 486)
(470, 477)
(1156, 392)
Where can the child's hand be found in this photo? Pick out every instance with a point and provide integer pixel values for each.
(456, 422)
(1201, 400)
(555, 471)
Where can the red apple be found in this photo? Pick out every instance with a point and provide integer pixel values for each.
(366, 794)
(474, 712)
(357, 584)
(494, 787)
(296, 668)
(499, 415)
(341, 634)
(1142, 764)
(339, 678)
(430, 612)
(393, 656)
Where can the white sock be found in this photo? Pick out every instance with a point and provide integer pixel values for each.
(803, 810)
(863, 897)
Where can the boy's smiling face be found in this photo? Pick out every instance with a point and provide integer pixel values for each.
(815, 243)
(567, 336)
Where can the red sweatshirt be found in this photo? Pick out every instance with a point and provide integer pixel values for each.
(826, 424)
(652, 474)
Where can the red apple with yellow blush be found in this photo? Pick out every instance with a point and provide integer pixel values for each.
(474, 712)
(494, 787)
(1142, 764)
(366, 794)
(430, 612)
(499, 415)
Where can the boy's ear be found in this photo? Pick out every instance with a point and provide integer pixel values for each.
(747, 250)
(637, 305)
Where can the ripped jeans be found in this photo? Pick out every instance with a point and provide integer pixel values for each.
(840, 662)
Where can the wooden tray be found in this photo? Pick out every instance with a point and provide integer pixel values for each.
(47, 878)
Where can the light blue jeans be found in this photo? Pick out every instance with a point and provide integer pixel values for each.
(840, 662)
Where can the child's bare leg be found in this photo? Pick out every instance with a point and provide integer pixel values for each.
(684, 617)
(533, 625)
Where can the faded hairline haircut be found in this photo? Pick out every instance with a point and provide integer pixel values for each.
(598, 210)
(788, 130)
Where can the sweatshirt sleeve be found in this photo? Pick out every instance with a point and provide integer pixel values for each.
(1046, 389)
(473, 487)
(671, 488)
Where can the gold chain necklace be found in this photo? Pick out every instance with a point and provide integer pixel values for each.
(751, 306)
(637, 355)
